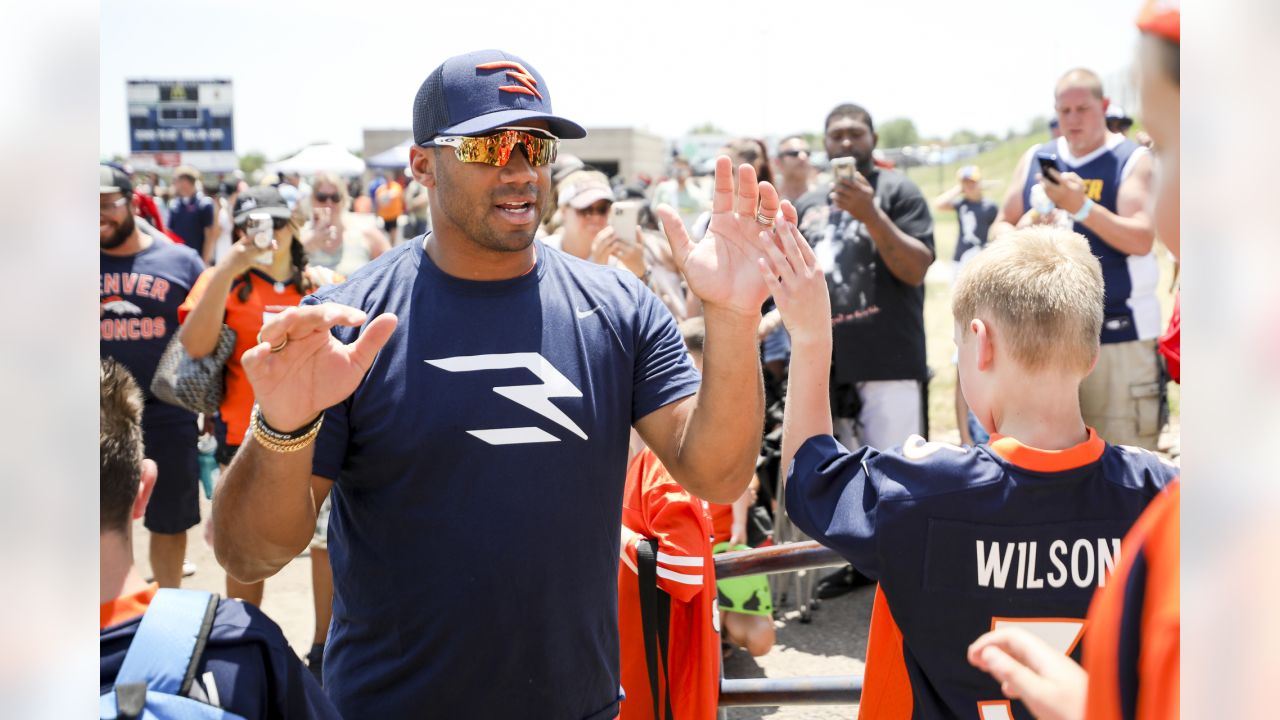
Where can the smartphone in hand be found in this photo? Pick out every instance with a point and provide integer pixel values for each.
(624, 218)
(1048, 162)
(843, 168)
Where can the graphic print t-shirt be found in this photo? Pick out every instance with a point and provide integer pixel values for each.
(140, 295)
(976, 218)
(478, 474)
(878, 320)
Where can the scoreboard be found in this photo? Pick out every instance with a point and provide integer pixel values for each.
(181, 122)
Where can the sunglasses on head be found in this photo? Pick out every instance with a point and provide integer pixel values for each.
(793, 153)
(495, 149)
(326, 197)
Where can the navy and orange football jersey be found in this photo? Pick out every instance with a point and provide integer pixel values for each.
(655, 506)
(964, 540)
(1133, 651)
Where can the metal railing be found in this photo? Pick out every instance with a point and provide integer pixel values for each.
(773, 559)
(765, 692)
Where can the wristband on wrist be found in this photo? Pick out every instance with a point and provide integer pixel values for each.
(277, 441)
(1083, 212)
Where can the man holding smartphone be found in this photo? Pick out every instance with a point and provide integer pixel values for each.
(1103, 180)
(873, 235)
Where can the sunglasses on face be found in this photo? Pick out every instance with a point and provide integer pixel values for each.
(109, 206)
(277, 223)
(600, 209)
(495, 149)
(793, 153)
(326, 197)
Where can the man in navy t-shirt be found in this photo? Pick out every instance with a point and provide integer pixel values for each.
(192, 215)
(473, 436)
(143, 280)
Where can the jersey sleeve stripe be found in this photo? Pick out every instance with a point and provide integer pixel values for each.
(680, 577)
(681, 560)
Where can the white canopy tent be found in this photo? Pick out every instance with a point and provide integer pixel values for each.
(325, 157)
(392, 158)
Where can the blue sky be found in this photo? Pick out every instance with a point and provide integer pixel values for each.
(322, 71)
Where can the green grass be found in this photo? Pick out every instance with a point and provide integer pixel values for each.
(997, 167)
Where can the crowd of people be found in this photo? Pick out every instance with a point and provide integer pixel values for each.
(448, 385)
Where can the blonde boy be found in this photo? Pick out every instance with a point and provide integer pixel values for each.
(962, 540)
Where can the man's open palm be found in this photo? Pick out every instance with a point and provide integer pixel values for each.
(721, 269)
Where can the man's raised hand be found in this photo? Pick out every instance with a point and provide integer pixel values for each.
(721, 268)
(309, 369)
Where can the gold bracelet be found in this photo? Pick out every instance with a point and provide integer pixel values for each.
(264, 438)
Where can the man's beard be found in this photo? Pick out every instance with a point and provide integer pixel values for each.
(472, 221)
(123, 232)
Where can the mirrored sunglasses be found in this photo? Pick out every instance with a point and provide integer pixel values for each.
(495, 149)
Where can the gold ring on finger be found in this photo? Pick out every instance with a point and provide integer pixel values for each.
(278, 348)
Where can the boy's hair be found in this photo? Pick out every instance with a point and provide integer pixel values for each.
(119, 445)
(694, 332)
(1042, 288)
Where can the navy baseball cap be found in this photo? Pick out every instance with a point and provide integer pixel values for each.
(480, 91)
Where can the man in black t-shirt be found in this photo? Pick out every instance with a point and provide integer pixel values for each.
(873, 236)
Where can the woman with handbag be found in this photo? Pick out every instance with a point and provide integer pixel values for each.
(265, 272)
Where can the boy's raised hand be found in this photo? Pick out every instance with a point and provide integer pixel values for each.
(797, 283)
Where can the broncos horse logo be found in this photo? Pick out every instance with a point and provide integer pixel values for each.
(120, 306)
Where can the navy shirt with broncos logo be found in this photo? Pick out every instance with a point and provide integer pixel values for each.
(478, 473)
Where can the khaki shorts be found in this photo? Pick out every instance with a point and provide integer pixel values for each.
(1121, 397)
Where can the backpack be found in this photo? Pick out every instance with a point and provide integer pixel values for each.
(157, 678)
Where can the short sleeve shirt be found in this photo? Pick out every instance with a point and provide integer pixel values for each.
(140, 295)
(188, 217)
(976, 218)
(964, 540)
(478, 472)
(878, 320)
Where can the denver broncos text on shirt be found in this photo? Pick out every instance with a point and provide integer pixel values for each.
(120, 317)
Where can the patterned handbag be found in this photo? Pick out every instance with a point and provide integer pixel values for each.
(193, 383)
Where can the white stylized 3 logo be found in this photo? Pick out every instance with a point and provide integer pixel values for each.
(535, 397)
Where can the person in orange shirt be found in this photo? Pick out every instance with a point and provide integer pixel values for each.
(390, 203)
(1132, 655)
(656, 507)
(245, 665)
(244, 289)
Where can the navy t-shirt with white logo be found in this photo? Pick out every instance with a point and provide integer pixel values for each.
(478, 473)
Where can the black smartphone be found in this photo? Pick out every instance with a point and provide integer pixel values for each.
(1048, 161)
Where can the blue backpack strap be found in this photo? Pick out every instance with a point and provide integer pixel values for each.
(170, 641)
